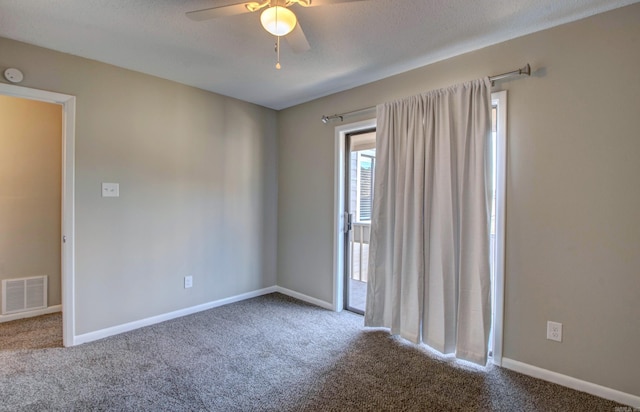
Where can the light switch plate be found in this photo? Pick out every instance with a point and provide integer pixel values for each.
(110, 190)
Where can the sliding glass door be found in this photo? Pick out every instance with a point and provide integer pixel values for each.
(360, 164)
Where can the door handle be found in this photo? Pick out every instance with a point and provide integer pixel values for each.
(348, 224)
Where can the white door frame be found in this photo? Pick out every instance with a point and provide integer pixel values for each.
(68, 104)
(341, 132)
(500, 99)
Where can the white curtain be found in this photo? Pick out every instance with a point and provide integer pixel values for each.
(429, 277)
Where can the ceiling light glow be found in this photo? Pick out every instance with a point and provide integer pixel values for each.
(278, 20)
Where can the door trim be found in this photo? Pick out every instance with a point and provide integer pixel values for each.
(341, 133)
(500, 99)
(68, 104)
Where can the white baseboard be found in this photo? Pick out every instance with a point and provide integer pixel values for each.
(573, 383)
(31, 313)
(115, 330)
(305, 298)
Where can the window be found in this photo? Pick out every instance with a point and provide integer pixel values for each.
(363, 165)
(366, 167)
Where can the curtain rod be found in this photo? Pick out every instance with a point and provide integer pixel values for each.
(526, 70)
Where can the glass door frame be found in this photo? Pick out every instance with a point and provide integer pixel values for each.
(350, 219)
(339, 218)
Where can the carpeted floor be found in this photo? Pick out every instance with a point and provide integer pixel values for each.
(41, 332)
(271, 353)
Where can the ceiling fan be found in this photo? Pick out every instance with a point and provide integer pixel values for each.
(276, 18)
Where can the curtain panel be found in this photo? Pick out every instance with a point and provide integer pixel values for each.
(429, 276)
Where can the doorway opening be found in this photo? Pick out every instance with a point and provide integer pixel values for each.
(66, 238)
(341, 216)
(359, 174)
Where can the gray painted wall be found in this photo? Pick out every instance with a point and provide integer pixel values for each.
(573, 231)
(202, 176)
(198, 189)
(30, 191)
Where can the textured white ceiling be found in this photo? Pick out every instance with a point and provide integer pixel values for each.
(351, 43)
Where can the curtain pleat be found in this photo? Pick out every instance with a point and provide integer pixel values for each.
(429, 277)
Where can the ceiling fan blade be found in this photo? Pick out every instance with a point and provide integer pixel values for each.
(215, 12)
(326, 2)
(297, 40)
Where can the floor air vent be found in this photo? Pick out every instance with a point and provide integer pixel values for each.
(25, 294)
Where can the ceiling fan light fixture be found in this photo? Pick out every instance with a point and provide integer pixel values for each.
(278, 20)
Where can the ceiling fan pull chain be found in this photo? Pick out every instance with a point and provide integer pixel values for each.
(278, 53)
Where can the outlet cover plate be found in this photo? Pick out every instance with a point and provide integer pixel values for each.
(110, 190)
(188, 282)
(554, 331)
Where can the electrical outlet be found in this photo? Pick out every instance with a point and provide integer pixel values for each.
(110, 190)
(554, 331)
(188, 282)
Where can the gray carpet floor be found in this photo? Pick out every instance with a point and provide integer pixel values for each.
(271, 353)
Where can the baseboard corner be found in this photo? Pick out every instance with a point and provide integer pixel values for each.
(305, 298)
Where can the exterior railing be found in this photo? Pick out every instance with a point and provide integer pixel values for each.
(359, 250)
